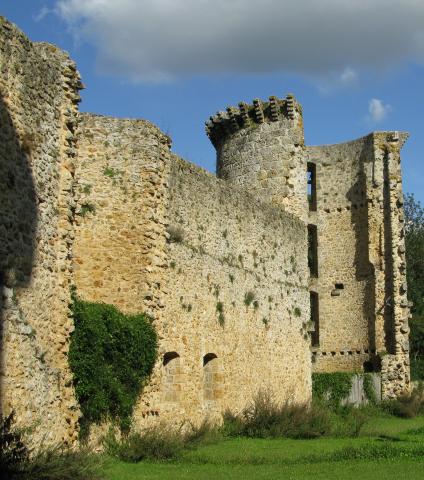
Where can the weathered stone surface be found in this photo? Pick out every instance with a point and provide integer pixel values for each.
(36, 129)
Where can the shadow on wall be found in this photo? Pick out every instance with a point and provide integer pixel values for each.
(18, 221)
(357, 195)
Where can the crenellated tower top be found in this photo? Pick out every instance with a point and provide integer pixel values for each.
(261, 147)
(225, 123)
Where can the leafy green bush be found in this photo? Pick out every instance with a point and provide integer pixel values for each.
(111, 356)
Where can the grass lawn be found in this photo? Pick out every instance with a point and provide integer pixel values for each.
(388, 448)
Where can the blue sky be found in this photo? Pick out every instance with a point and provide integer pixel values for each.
(356, 66)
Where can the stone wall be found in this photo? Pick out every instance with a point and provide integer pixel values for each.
(229, 300)
(120, 212)
(237, 303)
(361, 282)
(345, 277)
(38, 109)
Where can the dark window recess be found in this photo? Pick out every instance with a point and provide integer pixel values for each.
(312, 186)
(313, 250)
(339, 286)
(169, 356)
(314, 318)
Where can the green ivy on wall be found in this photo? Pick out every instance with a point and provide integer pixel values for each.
(335, 387)
(111, 356)
(331, 387)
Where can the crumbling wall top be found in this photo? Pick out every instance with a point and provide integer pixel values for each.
(222, 124)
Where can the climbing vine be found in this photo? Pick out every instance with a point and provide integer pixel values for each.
(111, 356)
(331, 387)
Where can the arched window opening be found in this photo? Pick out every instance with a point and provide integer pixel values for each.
(169, 356)
(172, 376)
(212, 378)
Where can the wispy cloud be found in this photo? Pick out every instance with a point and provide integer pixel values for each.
(346, 78)
(377, 110)
(156, 40)
(42, 14)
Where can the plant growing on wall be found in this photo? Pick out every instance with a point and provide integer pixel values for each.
(111, 356)
(332, 387)
(248, 298)
(220, 311)
(86, 208)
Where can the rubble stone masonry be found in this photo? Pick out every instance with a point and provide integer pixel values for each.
(38, 113)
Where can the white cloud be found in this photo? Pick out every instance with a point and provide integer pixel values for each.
(333, 81)
(154, 40)
(42, 14)
(377, 110)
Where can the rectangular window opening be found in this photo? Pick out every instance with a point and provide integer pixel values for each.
(313, 250)
(312, 186)
(314, 318)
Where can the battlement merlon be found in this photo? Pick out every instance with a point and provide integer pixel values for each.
(223, 124)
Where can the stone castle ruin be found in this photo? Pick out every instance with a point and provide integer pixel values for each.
(291, 260)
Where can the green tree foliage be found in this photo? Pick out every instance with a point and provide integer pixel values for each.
(414, 242)
(111, 356)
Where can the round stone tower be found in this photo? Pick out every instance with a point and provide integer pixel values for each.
(261, 146)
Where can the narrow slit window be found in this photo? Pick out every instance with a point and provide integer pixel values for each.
(313, 250)
(312, 190)
(314, 318)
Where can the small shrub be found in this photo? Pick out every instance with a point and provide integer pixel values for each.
(248, 298)
(111, 172)
(220, 310)
(86, 189)
(204, 433)
(176, 234)
(155, 443)
(160, 442)
(297, 312)
(86, 208)
(266, 418)
(59, 463)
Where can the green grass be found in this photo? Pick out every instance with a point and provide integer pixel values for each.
(388, 448)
